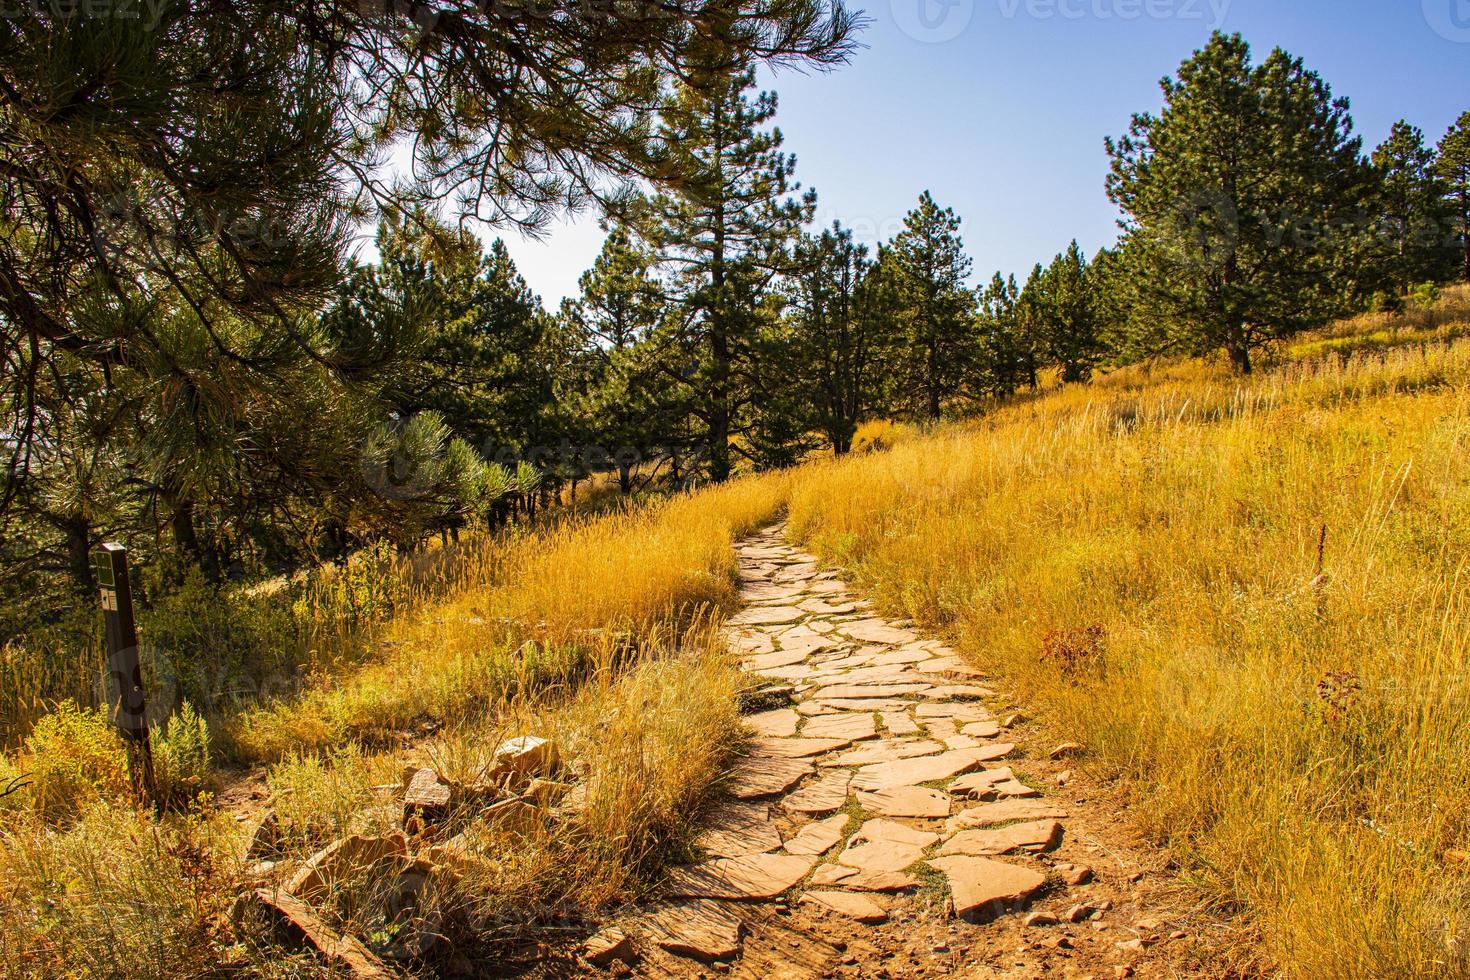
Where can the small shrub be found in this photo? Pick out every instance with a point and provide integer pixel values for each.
(1077, 653)
(1425, 295)
(880, 434)
(181, 756)
(73, 758)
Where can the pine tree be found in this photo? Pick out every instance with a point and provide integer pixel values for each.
(1231, 196)
(1065, 308)
(1005, 354)
(841, 337)
(454, 329)
(1411, 211)
(617, 399)
(929, 266)
(1453, 167)
(228, 150)
(722, 237)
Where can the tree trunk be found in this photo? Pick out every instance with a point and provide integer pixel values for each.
(933, 367)
(1239, 349)
(625, 477)
(79, 552)
(186, 537)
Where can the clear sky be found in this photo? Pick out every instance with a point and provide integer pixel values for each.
(999, 107)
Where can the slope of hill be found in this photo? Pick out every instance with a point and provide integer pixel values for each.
(1247, 596)
(1244, 596)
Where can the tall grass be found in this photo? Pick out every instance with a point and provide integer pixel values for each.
(594, 633)
(1295, 729)
(535, 611)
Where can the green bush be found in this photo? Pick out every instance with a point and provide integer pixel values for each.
(72, 758)
(180, 756)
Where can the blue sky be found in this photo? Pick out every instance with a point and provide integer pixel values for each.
(999, 107)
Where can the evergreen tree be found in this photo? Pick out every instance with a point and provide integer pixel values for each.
(1065, 308)
(1411, 211)
(1005, 353)
(723, 238)
(1232, 194)
(616, 395)
(1453, 168)
(841, 338)
(929, 266)
(455, 331)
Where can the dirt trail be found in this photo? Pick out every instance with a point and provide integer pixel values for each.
(895, 818)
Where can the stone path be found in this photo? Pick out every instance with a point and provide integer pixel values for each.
(878, 808)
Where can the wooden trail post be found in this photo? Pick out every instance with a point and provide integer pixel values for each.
(127, 701)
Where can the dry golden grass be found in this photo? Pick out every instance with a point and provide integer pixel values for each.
(531, 611)
(593, 633)
(1298, 734)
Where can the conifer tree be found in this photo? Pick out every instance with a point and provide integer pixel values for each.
(722, 239)
(1232, 196)
(929, 266)
(1411, 209)
(618, 400)
(1453, 168)
(1066, 314)
(842, 332)
(1005, 358)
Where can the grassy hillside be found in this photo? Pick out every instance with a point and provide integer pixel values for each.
(593, 634)
(1248, 597)
(1245, 595)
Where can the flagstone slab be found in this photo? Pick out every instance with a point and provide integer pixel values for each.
(822, 795)
(704, 929)
(828, 875)
(912, 772)
(881, 855)
(978, 784)
(759, 775)
(772, 661)
(981, 729)
(818, 837)
(903, 655)
(737, 829)
(899, 723)
(1033, 837)
(1005, 811)
(850, 692)
(765, 616)
(859, 908)
(807, 644)
(799, 748)
(878, 631)
(880, 881)
(906, 801)
(880, 829)
(821, 607)
(888, 750)
(954, 710)
(853, 726)
(831, 586)
(866, 704)
(982, 888)
(756, 876)
(778, 723)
